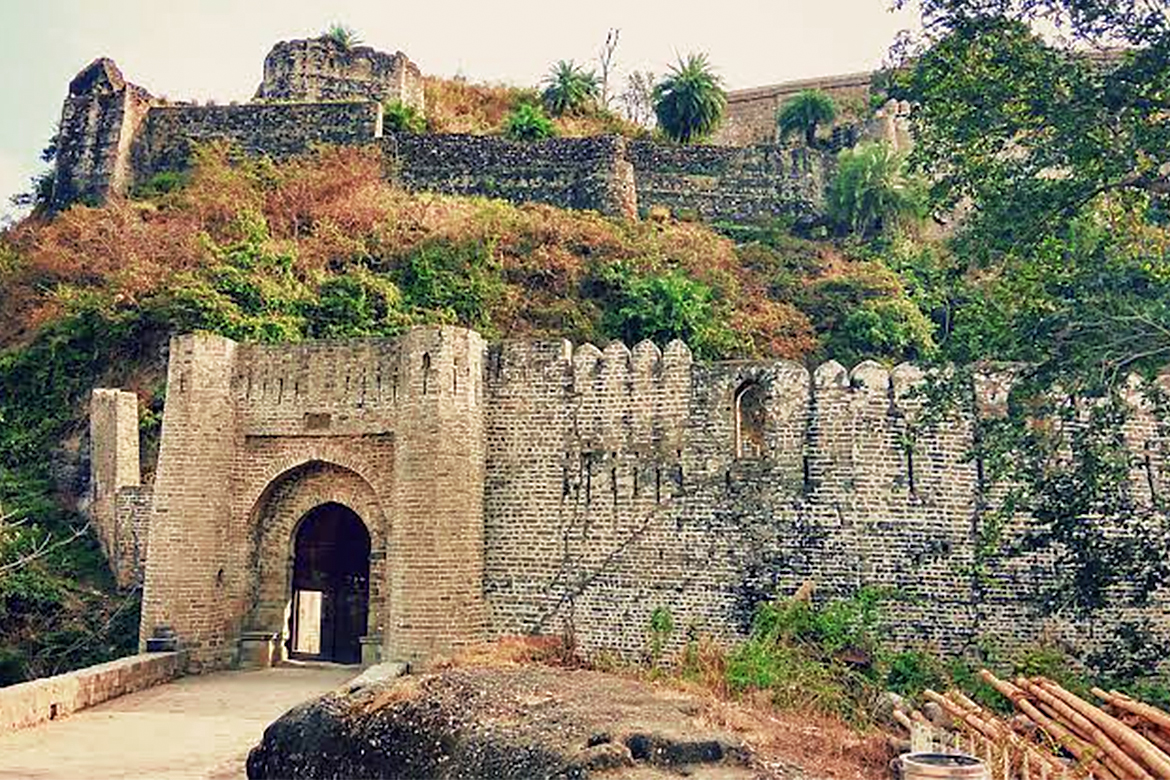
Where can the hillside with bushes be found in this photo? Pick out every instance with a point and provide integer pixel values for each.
(1048, 170)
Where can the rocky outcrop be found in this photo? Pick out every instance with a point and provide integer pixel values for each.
(504, 722)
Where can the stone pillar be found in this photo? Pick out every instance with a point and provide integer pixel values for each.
(98, 122)
(436, 550)
(113, 464)
(186, 586)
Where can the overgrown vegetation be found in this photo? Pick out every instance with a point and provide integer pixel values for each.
(689, 102)
(527, 122)
(835, 657)
(804, 113)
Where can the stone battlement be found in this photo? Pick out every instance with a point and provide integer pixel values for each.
(537, 486)
(115, 135)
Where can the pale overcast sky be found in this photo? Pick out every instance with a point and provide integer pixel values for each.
(215, 48)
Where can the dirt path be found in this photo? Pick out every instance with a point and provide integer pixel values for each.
(195, 727)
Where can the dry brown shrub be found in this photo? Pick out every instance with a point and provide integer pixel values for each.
(515, 651)
(341, 186)
(774, 328)
(461, 107)
(821, 745)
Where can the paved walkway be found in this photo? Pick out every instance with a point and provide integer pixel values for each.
(195, 727)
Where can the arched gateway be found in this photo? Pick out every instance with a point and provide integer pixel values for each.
(329, 598)
(321, 500)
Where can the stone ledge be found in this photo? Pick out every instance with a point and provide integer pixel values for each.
(49, 698)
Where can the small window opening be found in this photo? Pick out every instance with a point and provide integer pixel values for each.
(750, 418)
(426, 370)
(613, 484)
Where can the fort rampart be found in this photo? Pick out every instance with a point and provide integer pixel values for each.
(537, 487)
(115, 136)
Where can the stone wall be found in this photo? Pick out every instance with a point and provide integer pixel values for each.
(170, 132)
(537, 487)
(729, 184)
(49, 698)
(99, 120)
(751, 113)
(573, 173)
(321, 69)
(640, 492)
(115, 474)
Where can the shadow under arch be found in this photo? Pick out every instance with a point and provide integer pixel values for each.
(286, 507)
(329, 585)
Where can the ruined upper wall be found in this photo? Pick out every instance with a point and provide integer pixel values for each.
(321, 69)
(98, 122)
(170, 133)
(751, 113)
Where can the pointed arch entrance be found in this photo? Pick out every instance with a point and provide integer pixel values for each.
(330, 585)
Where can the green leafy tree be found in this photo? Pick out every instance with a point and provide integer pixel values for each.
(662, 307)
(343, 35)
(1056, 162)
(871, 191)
(569, 88)
(804, 113)
(689, 102)
(527, 122)
(400, 117)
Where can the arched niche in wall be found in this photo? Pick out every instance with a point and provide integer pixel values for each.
(751, 416)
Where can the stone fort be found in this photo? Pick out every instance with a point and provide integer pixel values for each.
(400, 499)
(114, 135)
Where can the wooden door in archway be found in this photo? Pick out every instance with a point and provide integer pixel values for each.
(330, 585)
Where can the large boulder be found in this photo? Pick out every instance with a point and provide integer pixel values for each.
(501, 722)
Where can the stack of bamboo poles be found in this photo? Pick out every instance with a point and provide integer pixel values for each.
(1057, 735)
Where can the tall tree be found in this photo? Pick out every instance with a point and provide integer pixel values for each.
(1056, 156)
(689, 102)
(606, 61)
(569, 88)
(804, 112)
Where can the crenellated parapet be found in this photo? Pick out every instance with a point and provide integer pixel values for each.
(538, 486)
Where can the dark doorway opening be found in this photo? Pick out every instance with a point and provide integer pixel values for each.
(330, 586)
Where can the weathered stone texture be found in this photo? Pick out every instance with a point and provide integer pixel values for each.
(720, 183)
(574, 173)
(115, 475)
(98, 123)
(751, 113)
(278, 131)
(321, 69)
(536, 487)
(37, 701)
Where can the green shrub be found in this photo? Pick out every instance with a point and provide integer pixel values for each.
(871, 191)
(343, 35)
(452, 283)
(357, 304)
(401, 118)
(527, 122)
(662, 307)
(893, 330)
(160, 184)
(661, 627)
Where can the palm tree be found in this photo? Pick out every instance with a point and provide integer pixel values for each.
(690, 101)
(802, 114)
(569, 88)
(871, 191)
(343, 35)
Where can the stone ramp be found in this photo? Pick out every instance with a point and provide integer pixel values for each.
(195, 727)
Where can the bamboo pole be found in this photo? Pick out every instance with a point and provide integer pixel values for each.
(1081, 751)
(1098, 737)
(989, 726)
(1140, 708)
(1140, 747)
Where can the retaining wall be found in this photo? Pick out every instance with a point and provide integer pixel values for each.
(49, 698)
